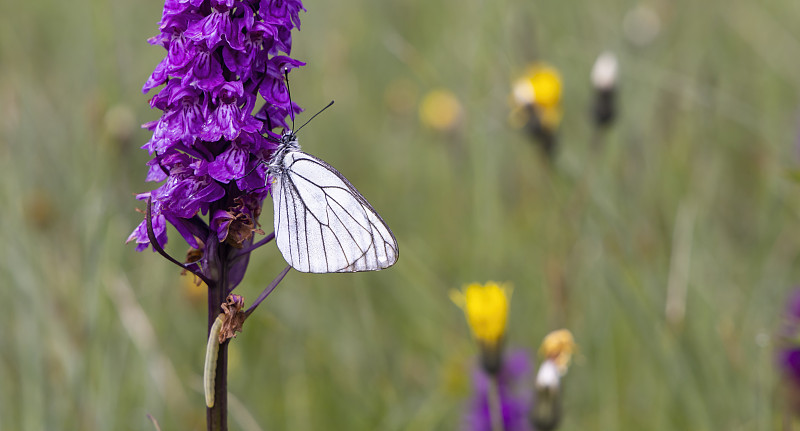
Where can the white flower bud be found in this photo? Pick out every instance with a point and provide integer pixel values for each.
(605, 71)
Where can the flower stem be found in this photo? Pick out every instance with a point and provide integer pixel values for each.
(217, 416)
(495, 405)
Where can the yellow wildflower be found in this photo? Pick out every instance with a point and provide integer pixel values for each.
(546, 83)
(559, 346)
(540, 88)
(486, 308)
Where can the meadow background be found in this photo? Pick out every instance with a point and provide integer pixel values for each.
(691, 191)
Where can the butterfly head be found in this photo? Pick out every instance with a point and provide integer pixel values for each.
(286, 144)
(288, 141)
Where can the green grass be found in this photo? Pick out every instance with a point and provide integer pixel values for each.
(690, 189)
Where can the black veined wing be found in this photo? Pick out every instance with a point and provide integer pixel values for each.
(322, 223)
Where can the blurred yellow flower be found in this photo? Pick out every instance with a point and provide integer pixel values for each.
(440, 110)
(486, 308)
(194, 289)
(559, 346)
(546, 83)
(540, 88)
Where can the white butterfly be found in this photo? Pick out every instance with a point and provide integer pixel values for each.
(322, 223)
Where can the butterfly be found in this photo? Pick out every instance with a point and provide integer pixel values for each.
(322, 223)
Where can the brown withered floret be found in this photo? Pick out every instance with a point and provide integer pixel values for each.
(193, 256)
(242, 223)
(233, 310)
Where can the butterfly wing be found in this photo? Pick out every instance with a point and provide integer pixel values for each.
(323, 224)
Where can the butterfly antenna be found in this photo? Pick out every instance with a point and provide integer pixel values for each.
(314, 116)
(291, 104)
(309, 120)
(289, 91)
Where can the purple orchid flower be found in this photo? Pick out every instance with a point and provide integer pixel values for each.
(208, 146)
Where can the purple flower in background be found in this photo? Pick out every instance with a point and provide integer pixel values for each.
(788, 353)
(514, 395)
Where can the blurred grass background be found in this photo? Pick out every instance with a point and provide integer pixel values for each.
(691, 188)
